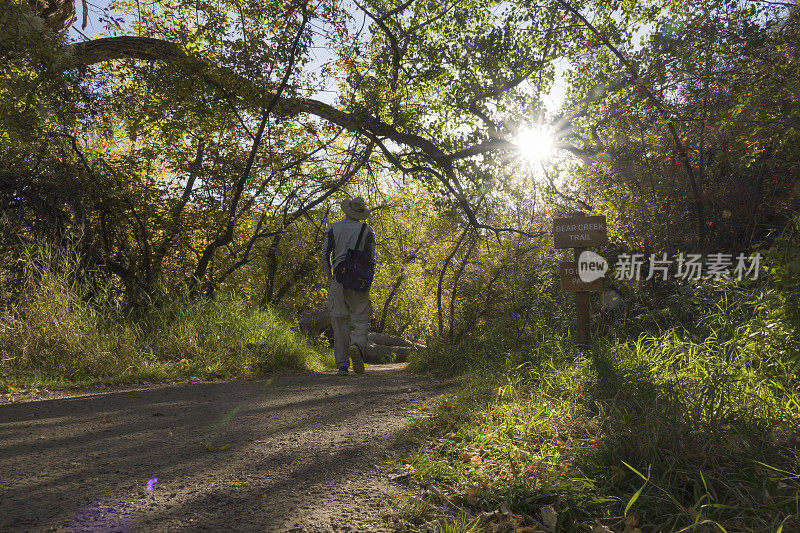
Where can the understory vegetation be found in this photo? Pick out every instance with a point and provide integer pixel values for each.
(168, 175)
(695, 426)
(59, 334)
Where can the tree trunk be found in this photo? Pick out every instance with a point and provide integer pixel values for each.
(457, 277)
(439, 314)
(389, 299)
(58, 15)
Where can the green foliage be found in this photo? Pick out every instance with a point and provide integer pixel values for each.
(784, 261)
(53, 335)
(694, 426)
(59, 333)
(225, 337)
(722, 75)
(190, 232)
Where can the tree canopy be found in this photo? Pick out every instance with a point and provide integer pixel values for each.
(189, 135)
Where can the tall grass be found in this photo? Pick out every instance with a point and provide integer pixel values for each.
(693, 428)
(57, 333)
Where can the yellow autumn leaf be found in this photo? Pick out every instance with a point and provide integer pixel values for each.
(472, 458)
(489, 437)
(617, 475)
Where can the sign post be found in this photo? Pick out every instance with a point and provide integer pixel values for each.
(582, 301)
(579, 232)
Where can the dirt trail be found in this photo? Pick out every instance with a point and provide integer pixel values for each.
(302, 457)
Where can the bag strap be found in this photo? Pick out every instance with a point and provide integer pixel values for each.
(360, 234)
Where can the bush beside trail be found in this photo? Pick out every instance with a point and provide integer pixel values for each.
(57, 334)
(695, 426)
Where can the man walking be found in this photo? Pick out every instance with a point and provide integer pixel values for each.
(349, 259)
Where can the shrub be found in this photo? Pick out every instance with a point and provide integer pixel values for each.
(58, 333)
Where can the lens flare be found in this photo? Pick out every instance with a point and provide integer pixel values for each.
(535, 143)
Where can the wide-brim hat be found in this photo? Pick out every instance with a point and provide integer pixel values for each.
(355, 208)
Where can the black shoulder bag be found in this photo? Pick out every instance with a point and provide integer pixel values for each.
(356, 270)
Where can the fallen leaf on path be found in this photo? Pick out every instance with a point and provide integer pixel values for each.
(106, 420)
(472, 458)
(549, 518)
(210, 448)
(225, 447)
(617, 475)
(632, 520)
(489, 437)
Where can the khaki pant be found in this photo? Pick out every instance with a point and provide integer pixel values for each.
(349, 309)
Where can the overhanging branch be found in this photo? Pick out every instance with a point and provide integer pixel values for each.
(255, 94)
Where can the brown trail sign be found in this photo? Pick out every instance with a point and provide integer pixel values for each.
(579, 232)
(572, 282)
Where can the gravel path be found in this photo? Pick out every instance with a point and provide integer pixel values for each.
(302, 456)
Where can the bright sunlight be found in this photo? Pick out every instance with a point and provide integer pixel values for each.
(535, 143)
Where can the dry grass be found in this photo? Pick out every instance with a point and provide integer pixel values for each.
(56, 335)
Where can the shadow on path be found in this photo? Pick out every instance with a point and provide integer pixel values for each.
(302, 454)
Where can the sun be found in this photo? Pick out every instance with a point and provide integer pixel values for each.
(535, 143)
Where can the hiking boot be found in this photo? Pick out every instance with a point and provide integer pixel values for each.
(358, 359)
(342, 371)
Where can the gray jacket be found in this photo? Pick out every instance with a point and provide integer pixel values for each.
(340, 237)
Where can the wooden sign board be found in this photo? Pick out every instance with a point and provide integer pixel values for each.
(571, 281)
(579, 232)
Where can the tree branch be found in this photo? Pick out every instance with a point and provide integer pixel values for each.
(149, 49)
(662, 111)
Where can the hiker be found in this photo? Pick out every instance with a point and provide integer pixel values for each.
(348, 257)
